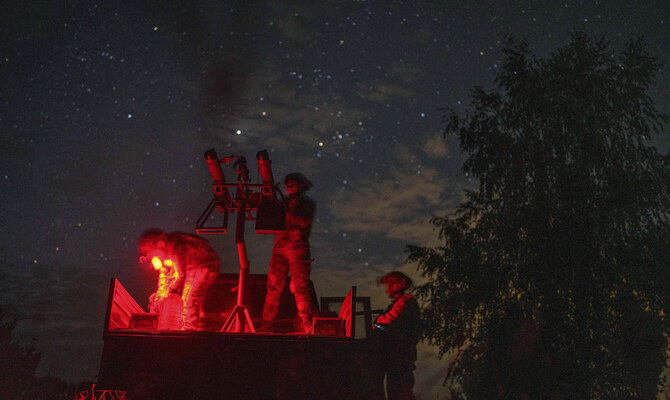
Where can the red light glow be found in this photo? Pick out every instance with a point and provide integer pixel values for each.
(167, 280)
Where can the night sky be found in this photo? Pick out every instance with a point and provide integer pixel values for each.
(108, 107)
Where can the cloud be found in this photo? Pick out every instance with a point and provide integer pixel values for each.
(398, 207)
(431, 372)
(436, 148)
(407, 73)
(397, 204)
(383, 93)
(293, 27)
(396, 86)
(275, 107)
(316, 128)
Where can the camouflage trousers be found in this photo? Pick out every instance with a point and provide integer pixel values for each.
(196, 283)
(297, 262)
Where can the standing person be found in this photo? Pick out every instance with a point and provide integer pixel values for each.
(400, 329)
(290, 254)
(194, 261)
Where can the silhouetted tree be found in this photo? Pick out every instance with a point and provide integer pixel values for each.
(50, 388)
(553, 277)
(17, 363)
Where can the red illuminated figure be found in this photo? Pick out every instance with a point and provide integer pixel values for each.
(291, 254)
(187, 264)
(168, 279)
(399, 328)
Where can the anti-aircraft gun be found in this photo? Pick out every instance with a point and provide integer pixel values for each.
(248, 198)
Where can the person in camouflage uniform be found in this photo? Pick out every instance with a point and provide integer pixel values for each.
(291, 254)
(196, 265)
(399, 329)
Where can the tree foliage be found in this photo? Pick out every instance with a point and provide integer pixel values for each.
(18, 365)
(552, 278)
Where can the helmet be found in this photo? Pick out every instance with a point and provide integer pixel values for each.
(305, 184)
(397, 276)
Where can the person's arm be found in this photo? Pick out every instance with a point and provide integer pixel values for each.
(395, 314)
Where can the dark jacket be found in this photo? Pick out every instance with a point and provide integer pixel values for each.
(191, 252)
(402, 325)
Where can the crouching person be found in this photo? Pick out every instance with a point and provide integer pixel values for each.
(194, 262)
